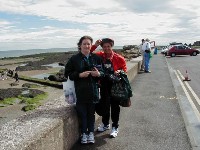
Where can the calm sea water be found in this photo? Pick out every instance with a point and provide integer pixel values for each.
(17, 53)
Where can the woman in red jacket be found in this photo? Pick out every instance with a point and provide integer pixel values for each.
(113, 64)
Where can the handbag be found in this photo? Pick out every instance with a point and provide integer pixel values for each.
(125, 103)
(69, 91)
(119, 91)
(122, 90)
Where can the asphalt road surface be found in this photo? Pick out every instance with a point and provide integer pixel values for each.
(191, 64)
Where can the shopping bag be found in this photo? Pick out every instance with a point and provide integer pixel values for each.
(151, 55)
(69, 91)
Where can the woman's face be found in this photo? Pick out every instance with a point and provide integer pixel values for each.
(107, 48)
(86, 46)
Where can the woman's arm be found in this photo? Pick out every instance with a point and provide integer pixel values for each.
(69, 70)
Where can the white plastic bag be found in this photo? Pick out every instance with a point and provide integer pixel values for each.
(69, 91)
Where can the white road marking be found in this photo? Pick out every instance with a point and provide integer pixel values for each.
(189, 98)
(191, 90)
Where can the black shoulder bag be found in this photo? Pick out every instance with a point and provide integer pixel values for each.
(122, 91)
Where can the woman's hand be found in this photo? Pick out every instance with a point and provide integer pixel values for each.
(95, 72)
(84, 74)
(98, 42)
(117, 72)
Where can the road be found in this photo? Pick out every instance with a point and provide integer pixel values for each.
(191, 64)
(155, 120)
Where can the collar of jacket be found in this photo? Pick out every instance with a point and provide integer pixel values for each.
(109, 55)
(83, 56)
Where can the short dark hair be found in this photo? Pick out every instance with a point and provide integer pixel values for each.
(107, 40)
(83, 38)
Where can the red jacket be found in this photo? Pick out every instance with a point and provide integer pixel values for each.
(117, 60)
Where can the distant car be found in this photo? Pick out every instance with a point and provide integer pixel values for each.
(164, 50)
(181, 50)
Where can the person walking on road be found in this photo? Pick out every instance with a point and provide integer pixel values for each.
(142, 54)
(146, 47)
(113, 64)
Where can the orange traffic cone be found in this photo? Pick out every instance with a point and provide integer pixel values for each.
(186, 77)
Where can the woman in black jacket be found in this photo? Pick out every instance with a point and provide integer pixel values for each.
(85, 69)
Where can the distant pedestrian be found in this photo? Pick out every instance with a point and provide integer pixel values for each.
(146, 47)
(16, 76)
(142, 54)
(155, 50)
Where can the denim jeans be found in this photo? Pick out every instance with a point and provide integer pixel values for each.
(146, 61)
(86, 111)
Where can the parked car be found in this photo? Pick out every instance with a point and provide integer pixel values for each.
(181, 50)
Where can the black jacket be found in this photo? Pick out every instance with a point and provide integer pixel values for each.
(87, 90)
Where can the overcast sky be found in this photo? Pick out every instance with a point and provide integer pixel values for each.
(30, 24)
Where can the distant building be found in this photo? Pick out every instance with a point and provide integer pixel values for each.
(197, 43)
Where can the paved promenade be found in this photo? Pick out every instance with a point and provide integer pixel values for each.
(153, 122)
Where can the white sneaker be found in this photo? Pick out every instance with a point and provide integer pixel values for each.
(114, 132)
(83, 138)
(102, 128)
(90, 138)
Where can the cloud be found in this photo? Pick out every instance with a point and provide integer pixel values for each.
(127, 21)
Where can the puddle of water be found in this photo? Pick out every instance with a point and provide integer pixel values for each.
(22, 65)
(54, 65)
(25, 92)
(41, 76)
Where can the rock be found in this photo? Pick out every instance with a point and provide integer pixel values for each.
(14, 84)
(128, 47)
(29, 85)
(61, 64)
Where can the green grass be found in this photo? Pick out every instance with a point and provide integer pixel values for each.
(8, 101)
(2, 70)
(32, 103)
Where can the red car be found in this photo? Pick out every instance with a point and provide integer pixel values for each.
(181, 50)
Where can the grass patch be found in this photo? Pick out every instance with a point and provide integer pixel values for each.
(2, 69)
(32, 102)
(8, 101)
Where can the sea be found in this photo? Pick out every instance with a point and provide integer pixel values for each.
(17, 53)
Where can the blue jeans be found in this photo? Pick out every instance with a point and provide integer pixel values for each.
(86, 111)
(146, 61)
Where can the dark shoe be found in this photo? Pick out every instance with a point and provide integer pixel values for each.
(147, 71)
(141, 69)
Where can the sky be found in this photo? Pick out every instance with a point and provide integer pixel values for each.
(32, 24)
